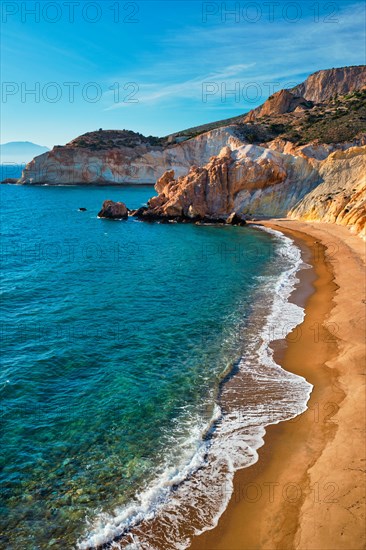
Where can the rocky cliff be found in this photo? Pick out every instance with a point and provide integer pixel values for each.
(302, 154)
(340, 196)
(314, 169)
(324, 85)
(313, 183)
(319, 88)
(309, 111)
(102, 161)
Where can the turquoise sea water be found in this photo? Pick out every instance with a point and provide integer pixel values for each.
(11, 170)
(116, 337)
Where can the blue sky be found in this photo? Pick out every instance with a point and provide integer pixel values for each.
(160, 66)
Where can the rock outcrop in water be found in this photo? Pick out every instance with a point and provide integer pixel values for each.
(212, 191)
(113, 210)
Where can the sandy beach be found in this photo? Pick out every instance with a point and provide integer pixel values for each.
(307, 489)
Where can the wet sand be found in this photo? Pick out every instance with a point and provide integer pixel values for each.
(307, 489)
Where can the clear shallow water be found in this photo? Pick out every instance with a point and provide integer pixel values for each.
(115, 339)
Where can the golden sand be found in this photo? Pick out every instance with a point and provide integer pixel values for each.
(307, 491)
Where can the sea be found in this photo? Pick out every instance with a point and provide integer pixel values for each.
(11, 170)
(137, 374)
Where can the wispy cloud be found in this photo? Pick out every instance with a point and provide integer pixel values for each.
(266, 54)
(169, 56)
(188, 89)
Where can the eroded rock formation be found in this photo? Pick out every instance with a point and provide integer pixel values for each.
(282, 102)
(113, 210)
(341, 196)
(308, 183)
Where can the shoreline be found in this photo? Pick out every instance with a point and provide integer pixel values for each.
(305, 491)
(288, 283)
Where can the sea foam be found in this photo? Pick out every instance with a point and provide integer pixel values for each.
(190, 498)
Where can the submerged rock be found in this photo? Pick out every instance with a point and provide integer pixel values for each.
(113, 210)
(82, 209)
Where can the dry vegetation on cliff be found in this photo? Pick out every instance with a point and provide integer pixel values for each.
(113, 139)
(338, 120)
(341, 119)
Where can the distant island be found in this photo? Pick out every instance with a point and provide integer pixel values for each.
(20, 152)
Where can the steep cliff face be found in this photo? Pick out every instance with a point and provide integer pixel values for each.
(143, 163)
(323, 85)
(319, 88)
(341, 196)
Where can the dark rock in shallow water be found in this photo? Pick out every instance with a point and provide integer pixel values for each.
(10, 180)
(113, 210)
(236, 219)
(138, 213)
(143, 213)
(82, 209)
(148, 215)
